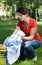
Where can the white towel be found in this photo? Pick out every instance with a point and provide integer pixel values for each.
(13, 44)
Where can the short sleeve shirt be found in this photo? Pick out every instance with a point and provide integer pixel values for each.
(32, 24)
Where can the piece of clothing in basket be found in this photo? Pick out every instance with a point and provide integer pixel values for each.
(13, 45)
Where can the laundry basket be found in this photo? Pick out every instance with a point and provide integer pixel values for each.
(2, 55)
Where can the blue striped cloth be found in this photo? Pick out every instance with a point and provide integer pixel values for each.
(13, 45)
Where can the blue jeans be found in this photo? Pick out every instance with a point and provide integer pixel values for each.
(30, 46)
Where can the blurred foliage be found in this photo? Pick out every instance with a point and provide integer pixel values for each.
(23, 2)
(32, 4)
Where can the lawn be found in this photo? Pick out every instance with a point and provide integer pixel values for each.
(6, 29)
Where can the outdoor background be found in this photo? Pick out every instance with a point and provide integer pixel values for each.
(9, 19)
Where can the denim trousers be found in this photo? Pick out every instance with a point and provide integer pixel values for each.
(28, 48)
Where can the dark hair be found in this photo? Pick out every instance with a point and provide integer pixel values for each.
(24, 10)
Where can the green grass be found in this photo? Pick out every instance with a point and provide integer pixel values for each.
(6, 29)
(40, 28)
